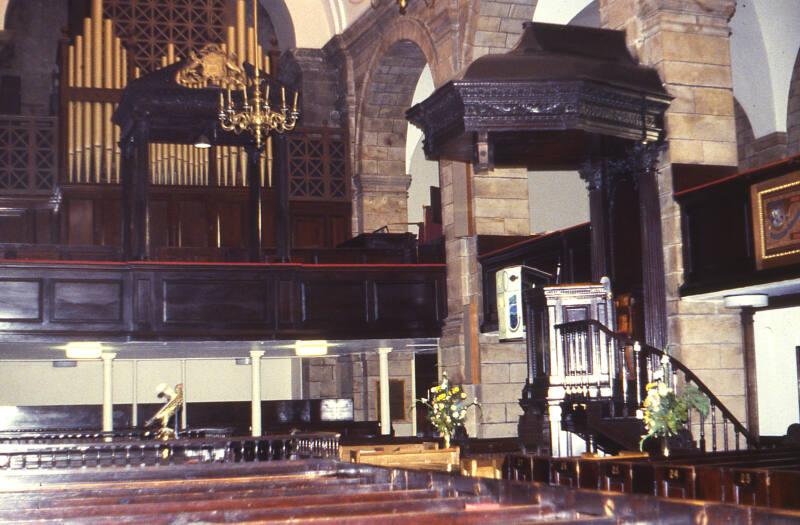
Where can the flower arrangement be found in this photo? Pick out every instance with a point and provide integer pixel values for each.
(666, 412)
(447, 407)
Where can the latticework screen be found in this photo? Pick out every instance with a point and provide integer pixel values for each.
(317, 166)
(147, 26)
(27, 153)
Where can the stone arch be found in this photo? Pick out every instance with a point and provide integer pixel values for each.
(281, 22)
(391, 77)
(745, 138)
(793, 111)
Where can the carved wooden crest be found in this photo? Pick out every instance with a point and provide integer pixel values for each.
(211, 66)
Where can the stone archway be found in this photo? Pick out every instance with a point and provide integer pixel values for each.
(381, 181)
(793, 111)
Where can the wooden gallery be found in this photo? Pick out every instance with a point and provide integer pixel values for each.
(400, 261)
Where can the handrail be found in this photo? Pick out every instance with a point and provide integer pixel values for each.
(690, 376)
(651, 352)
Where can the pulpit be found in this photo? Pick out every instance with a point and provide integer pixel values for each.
(564, 364)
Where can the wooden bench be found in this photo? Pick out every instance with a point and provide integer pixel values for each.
(345, 451)
(326, 491)
(446, 459)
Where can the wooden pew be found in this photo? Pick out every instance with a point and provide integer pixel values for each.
(345, 451)
(325, 491)
(446, 459)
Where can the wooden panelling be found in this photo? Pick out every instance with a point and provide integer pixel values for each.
(87, 301)
(20, 300)
(215, 302)
(404, 301)
(80, 221)
(220, 301)
(327, 301)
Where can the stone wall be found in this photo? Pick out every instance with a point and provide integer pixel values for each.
(503, 373)
(688, 43)
(793, 117)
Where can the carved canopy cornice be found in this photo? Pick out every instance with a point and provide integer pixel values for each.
(547, 86)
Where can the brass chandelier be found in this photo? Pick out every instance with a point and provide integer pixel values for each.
(402, 5)
(255, 115)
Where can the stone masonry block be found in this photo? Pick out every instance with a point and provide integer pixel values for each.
(490, 39)
(499, 430)
(701, 127)
(492, 413)
(711, 101)
(498, 9)
(504, 353)
(720, 153)
(505, 208)
(696, 74)
(694, 47)
(710, 329)
(500, 393)
(495, 373)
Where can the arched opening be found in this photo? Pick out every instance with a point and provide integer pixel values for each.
(744, 135)
(793, 111)
(383, 181)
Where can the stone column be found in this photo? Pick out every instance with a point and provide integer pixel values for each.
(381, 200)
(255, 392)
(383, 371)
(687, 41)
(108, 390)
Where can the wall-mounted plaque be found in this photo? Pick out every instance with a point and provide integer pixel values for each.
(776, 220)
(336, 410)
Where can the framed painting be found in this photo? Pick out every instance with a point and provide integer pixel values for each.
(776, 221)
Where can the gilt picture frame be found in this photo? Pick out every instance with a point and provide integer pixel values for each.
(776, 221)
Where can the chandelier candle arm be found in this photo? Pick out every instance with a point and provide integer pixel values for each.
(258, 118)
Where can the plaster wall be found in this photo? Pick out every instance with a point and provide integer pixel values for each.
(39, 383)
(558, 200)
(777, 341)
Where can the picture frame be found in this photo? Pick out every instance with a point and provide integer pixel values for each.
(776, 221)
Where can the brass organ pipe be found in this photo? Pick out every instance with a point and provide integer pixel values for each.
(218, 159)
(170, 53)
(87, 106)
(117, 84)
(240, 31)
(108, 83)
(230, 44)
(223, 173)
(243, 166)
(171, 164)
(71, 116)
(269, 161)
(78, 82)
(97, 82)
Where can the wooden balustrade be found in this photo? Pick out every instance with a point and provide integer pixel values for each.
(630, 367)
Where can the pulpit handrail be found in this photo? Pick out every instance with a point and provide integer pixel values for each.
(651, 355)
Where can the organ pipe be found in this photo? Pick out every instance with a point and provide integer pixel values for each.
(98, 70)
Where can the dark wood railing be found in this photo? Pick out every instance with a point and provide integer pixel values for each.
(132, 453)
(586, 346)
(206, 301)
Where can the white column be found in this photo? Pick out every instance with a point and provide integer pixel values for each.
(185, 383)
(383, 370)
(108, 390)
(255, 395)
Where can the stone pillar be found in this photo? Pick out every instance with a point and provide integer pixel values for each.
(255, 392)
(381, 200)
(383, 371)
(108, 390)
(688, 43)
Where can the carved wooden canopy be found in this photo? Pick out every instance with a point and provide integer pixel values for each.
(560, 94)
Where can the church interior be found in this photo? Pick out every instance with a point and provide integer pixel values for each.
(246, 241)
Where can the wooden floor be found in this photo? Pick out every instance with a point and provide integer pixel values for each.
(325, 491)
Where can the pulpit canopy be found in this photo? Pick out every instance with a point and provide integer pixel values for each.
(560, 94)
